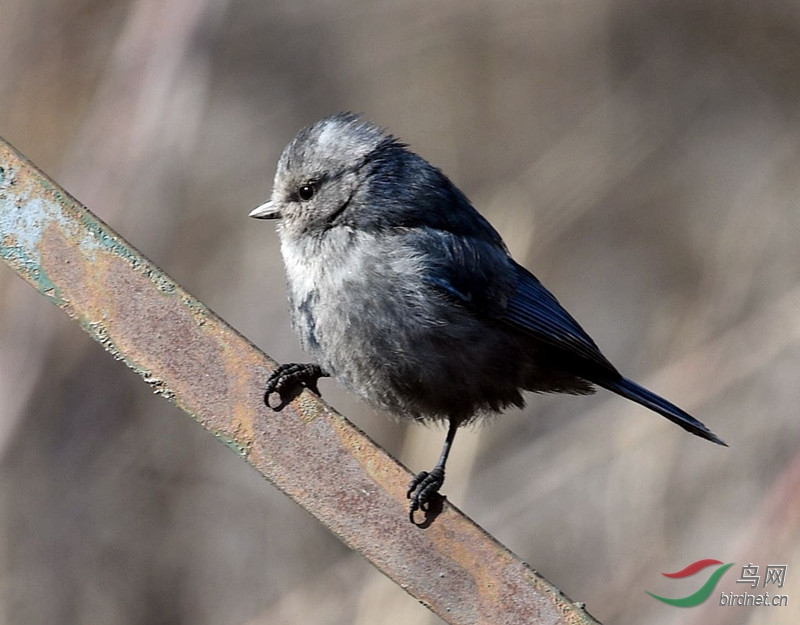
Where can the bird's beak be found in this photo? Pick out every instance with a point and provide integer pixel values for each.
(266, 211)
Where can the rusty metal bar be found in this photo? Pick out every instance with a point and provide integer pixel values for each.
(313, 454)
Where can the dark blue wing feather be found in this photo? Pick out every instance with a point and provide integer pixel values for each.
(533, 310)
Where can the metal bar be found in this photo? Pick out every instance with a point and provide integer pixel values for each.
(313, 454)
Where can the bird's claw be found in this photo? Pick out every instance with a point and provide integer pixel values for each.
(424, 490)
(288, 381)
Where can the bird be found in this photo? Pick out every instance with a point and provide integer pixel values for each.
(403, 292)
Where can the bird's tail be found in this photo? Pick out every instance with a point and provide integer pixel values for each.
(639, 394)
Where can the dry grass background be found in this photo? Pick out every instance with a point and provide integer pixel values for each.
(641, 157)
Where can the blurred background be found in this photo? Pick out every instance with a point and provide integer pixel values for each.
(640, 156)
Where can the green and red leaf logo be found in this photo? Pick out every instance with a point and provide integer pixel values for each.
(706, 589)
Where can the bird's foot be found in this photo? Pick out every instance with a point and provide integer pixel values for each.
(424, 490)
(288, 381)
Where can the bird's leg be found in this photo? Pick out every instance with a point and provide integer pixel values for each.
(289, 379)
(425, 486)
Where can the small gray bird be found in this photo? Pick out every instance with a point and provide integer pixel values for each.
(404, 293)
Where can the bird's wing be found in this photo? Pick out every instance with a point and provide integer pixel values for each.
(464, 257)
(471, 270)
(478, 274)
(533, 310)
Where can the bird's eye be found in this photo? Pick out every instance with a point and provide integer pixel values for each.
(306, 191)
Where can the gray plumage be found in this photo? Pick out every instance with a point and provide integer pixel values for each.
(403, 292)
